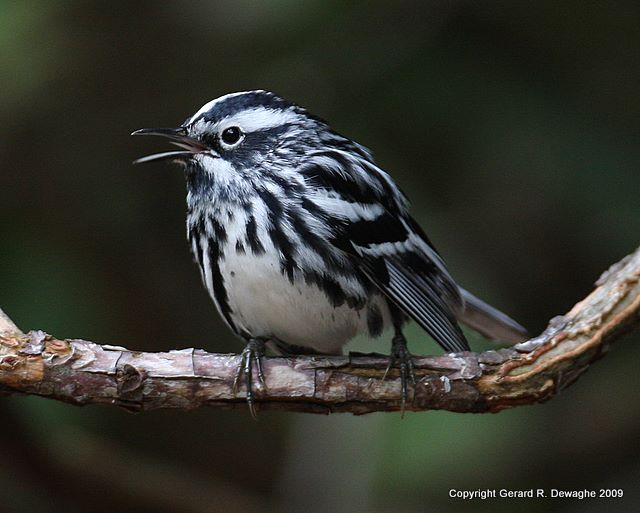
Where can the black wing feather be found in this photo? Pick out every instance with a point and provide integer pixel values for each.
(390, 249)
(418, 296)
(406, 273)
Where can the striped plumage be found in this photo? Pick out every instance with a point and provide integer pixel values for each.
(303, 241)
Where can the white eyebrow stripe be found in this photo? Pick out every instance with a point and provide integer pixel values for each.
(258, 118)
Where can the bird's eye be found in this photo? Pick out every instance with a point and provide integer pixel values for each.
(231, 136)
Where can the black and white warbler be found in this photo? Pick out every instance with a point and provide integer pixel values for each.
(303, 242)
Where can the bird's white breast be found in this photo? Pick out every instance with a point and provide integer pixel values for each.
(265, 303)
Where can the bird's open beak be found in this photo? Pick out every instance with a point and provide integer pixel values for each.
(177, 136)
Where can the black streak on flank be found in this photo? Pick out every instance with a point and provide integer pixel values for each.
(218, 230)
(335, 295)
(198, 250)
(313, 208)
(277, 235)
(375, 321)
(334, 292)
(252, 237)
(219, 291)
(274, 207)
(286, 248)
(313, 241)
(196, 230)
(240, 248)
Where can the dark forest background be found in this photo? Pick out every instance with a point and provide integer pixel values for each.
(513, 126)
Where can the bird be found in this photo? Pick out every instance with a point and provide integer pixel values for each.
(304, 242)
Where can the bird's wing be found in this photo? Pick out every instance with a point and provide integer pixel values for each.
(405, 271)
(368, 214)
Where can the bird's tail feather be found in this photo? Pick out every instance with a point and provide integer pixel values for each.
(488, 320)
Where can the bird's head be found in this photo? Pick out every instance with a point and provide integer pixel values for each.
(239, 131)
(242, 142)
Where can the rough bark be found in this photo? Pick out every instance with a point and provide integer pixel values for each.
(82, 372)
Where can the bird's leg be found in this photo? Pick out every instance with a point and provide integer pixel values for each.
(253, 352)
(401, 357)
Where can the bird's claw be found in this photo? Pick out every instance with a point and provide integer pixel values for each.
(402, 358)
(253, 352)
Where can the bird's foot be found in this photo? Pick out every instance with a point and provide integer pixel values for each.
(253, 352)
(401, 357)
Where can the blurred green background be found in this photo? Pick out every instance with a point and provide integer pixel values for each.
(513, 126)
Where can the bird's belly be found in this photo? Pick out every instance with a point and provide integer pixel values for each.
(265, 303)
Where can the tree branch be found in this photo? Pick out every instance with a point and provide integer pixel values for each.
(81, 372)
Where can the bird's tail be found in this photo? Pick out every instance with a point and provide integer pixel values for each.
(489, 321)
